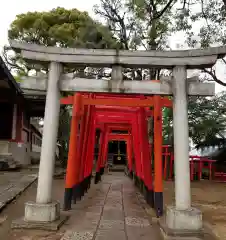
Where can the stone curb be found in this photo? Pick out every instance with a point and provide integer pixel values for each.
(16, 189)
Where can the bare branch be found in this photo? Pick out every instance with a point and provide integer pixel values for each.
(223, 58)
(168, 6)
(111, 12)
(10, 64)
(213, 75)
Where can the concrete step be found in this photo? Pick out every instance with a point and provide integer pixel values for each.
(7, 163)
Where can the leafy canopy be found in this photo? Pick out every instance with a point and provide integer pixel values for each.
(61, 27)
(58, 27)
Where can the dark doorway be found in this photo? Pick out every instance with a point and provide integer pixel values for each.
(117, 149)
(6, 121)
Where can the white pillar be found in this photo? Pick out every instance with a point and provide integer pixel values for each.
(51, 122)
(181, 139)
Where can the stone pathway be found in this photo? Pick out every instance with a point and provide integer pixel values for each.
(12, 184)
(113, 212)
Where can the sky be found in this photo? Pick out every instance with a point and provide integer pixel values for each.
(11, 8)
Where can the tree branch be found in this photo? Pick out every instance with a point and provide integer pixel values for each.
(111, 12)
(10, 64)
(214, 77)
(168, 5)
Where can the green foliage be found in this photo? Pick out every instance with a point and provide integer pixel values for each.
(133, 24)
(167, 115)
(207, 120)
(152, 18)
(210, 15)
(58, 27)
(148, 24)
(203, 22)
(138, 23)
(62, 28)
(63, 134)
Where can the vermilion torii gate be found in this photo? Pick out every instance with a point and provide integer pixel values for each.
(134, 117)
(179, 217)
(118, 115)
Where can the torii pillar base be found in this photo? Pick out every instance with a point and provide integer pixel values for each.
(41, 216)
(185, 224)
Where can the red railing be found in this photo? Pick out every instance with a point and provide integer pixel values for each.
(197, 165)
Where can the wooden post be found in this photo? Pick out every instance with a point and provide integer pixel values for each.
(72, 174)
(81, 182)
(91, 133)
(104, 151)
(137, 151)
(141, 132)
(91, 144)
(87, 119)
(158, 182)
(147, 161)
(129, 153)
(100, 155)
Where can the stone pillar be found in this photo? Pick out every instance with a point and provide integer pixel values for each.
(116, 83)
(182, 219)
(44, 209)
(181, 139)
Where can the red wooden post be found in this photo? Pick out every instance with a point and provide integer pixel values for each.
(166, 156)
(142, 150)
(72, 174)
(91, 146)
(87, 124)
(100, 155)
(136, 151)
(104, 151)
(141, 132)
(158, 182)
(88, 156)
(147, 161)
(129, 151)
(82, 137)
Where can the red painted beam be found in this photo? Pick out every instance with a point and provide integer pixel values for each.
(110, 100)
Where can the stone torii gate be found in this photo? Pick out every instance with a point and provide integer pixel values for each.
(179, 217)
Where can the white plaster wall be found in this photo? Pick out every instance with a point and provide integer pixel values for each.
(20, 153)
(4, 147)
(36, 148)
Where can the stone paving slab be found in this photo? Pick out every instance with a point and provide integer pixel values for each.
(110, 234)
(113, 213)
(14, 186)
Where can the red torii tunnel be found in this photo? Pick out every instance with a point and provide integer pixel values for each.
(109, 112)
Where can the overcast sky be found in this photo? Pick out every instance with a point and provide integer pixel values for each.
(11, 8)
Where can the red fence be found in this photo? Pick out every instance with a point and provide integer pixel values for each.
(198, 167)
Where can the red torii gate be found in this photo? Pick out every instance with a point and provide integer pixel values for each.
(137, 134)
(112, 117)
(128, 139)
(83, 112)
(108, 129)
